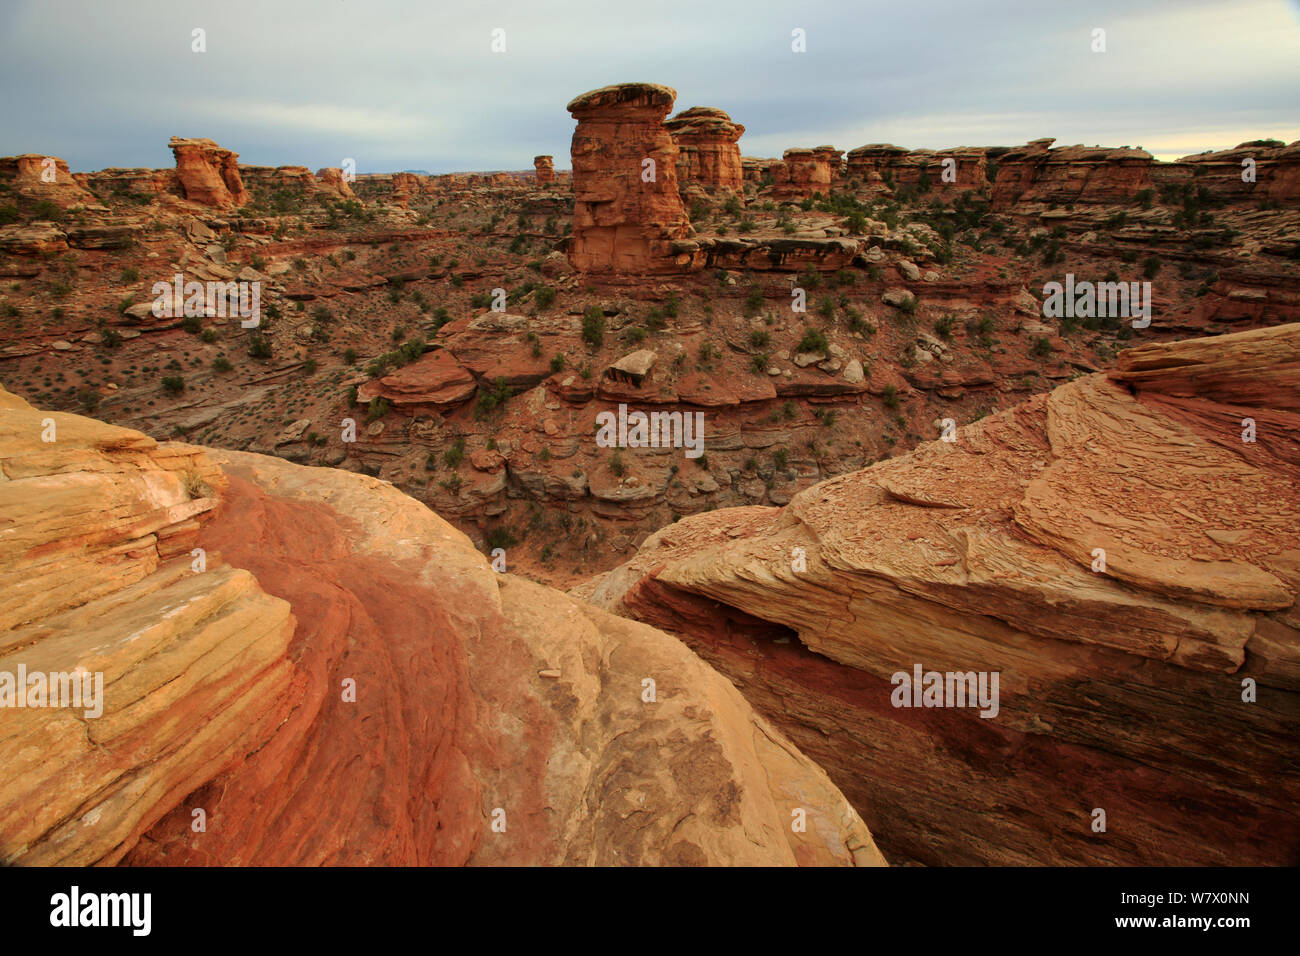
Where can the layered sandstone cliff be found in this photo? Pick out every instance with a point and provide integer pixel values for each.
(626, 211)
(804, 173)
(1114, 550)
(1039, 174)
(304, 666)
(37, 176)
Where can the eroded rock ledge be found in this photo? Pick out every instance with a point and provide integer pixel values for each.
(1120, 689)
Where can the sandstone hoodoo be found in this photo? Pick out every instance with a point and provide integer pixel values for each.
(545, 167)
(708, 155)
(1115, 552)
(805, 173)
(626, 209)
(331, 179)
(208, 175)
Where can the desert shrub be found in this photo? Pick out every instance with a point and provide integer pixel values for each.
(593, 326)
(813, 340)
(453, 455)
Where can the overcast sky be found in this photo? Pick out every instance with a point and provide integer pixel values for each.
(415, 85)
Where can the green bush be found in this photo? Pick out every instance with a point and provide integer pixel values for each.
(593, 326)
(813, 341)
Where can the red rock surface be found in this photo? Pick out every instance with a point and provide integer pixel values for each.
(1120, 688)
(331, 179)
(432, 382)
(877, 162)
(621, 222)
(207, 174)
(708, 155)
(804, 173)
(545, 166)
(27, 174)
(480, 698)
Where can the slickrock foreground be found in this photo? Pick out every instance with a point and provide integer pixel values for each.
(333, 675)
(1121, 689)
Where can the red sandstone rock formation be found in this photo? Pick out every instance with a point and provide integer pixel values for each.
(1277, 173)
(755, 170)
(433, 382)
(707, 152)
(43, 177)
(208, 174)
(135, 181)
(624, 218)
(1121, 684)
(804, 173)
(330, 179)
(880, 163)
(545, 166)
(344, 680)
(1036, 173)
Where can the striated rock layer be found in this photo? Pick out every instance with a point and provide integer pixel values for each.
(626, 211)
(1113, 550)
(37, 176)
(804, 173)
(304, 666)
